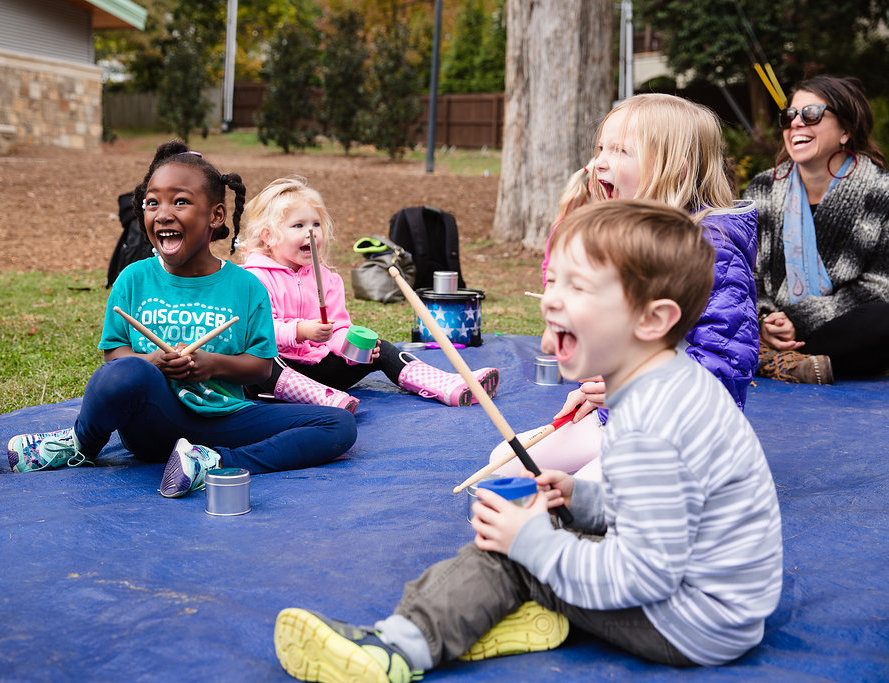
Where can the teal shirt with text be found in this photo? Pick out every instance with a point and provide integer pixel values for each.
(183, 309)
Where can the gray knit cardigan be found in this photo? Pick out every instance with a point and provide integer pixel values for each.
(852, 232)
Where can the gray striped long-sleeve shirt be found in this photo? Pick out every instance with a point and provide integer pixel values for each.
(692, 518)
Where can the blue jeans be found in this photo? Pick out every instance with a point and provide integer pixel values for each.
(132, 396)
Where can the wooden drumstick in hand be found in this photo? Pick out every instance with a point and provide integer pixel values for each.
(151, 336)
(161, 344)
(317, 267)
(532, 439)
(474, 386)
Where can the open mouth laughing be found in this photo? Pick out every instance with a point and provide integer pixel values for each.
(168, 241)
(566, 342)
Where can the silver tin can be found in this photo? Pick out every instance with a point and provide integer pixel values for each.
(546, 370)
(472, 493)
(517, 490)
(444, 282)
(228, 491)
(359, 344)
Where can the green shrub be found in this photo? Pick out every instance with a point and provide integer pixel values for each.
(393, 104)
(344, 57)
(289, 112)
(181, 104)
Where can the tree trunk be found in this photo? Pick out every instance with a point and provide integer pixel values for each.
(559, 84)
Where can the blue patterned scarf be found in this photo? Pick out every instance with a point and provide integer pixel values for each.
(806, 275)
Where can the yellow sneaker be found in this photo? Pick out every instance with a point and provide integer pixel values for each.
(312, 647)
(531, 628)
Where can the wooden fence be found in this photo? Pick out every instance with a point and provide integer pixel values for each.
(139, 109)
(471, 121)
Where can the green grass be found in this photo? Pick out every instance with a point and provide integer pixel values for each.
(49, 328)
(50, 325)
(447, 160)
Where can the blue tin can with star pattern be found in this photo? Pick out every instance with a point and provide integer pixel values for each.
(459, 314)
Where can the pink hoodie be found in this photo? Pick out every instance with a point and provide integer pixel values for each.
(294, 296)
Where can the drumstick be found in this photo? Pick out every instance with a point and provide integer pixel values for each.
(151, 336)
(534, 438)
(195, 345)
(161, 344)
(534, 294)
(463, 369)
(317, 266)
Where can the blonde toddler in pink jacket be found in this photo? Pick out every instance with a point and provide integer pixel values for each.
(310, 367)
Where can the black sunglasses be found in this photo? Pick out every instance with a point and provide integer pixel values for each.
(811, 115)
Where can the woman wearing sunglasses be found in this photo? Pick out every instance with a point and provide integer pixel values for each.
(822, 270)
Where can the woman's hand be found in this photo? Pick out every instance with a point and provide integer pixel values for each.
(778, 332)
(589, 396)
(315, 330)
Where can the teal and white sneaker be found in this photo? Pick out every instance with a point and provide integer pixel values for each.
(186, 469)
(311, 647)
(47, 451)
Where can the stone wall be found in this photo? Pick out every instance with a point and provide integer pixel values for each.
(51, 102)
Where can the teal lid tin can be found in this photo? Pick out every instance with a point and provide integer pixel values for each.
(359, 344)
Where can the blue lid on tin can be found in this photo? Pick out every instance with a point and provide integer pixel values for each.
(510, 487)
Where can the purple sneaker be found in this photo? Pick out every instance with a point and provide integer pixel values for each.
(186, 469)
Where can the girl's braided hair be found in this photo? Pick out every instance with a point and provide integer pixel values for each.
(176, 151)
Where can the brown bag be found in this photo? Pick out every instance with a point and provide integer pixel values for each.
(371, 280)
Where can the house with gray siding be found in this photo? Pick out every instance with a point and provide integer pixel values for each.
(50, 86)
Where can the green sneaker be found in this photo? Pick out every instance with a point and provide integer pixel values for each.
(531, 628)
(186, 469)
(47, 451)
(311, 647)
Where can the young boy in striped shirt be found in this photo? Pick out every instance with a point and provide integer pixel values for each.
(675, 556)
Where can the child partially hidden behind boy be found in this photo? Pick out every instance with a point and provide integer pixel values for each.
(675, 557)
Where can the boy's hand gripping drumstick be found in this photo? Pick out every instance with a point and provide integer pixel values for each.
(480, 394)
(317, 266)
(161, 344)
(534, 438)
(151, 336)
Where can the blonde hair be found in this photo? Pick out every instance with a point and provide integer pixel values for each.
(264, 215)
(657, 250)
(576, 192)
(681, 156)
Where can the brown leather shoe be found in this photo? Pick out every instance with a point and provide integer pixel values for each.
(793, 366)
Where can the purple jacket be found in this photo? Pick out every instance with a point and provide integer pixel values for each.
(725, 339)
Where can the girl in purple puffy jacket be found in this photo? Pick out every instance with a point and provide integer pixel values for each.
(665, 148)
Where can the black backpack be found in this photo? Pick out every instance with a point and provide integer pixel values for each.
(430, 235)
(133, 245)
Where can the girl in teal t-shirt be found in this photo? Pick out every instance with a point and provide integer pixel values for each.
(161, 401)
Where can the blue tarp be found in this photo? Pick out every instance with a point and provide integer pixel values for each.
(106, 580)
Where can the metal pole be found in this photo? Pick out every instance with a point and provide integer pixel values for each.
(628, 46)
(433, 92)
(622, 55)
(228, 79)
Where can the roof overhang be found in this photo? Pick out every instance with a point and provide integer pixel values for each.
(114, 13)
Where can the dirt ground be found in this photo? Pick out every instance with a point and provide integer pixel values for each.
(58, 208)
